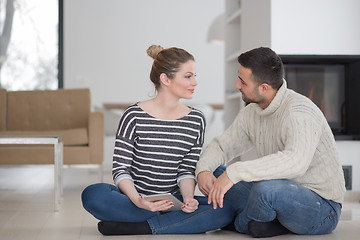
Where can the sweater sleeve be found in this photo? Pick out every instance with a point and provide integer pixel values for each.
(124, 147)
(301, 134)
(226, 147)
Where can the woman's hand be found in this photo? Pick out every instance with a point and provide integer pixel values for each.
(190, 205)
(187, 188)
(127, 187)
(160, 205)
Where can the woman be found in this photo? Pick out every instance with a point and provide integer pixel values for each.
(157, 146)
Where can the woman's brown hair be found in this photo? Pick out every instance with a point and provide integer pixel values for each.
(166, 61)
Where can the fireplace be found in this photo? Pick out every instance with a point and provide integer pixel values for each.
(331, 82)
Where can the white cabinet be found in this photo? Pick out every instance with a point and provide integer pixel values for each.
(233, 101)
(247, 26)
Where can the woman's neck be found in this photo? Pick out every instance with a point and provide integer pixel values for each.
(166, 103)
(166, 108)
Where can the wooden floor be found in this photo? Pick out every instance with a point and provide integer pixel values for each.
(27, 203)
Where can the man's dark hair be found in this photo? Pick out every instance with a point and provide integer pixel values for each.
(265, 64)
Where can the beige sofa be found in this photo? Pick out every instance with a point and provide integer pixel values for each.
(63, 112)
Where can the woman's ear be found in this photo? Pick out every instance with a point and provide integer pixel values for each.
(164, 79)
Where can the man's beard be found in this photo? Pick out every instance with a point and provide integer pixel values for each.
(248, 100)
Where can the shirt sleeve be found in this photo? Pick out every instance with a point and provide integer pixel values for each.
(124, 147)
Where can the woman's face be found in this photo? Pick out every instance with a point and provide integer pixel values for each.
(183, 84)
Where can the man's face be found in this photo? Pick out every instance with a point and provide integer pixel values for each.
(247, 86)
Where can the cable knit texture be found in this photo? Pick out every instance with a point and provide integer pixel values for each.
(292, 140)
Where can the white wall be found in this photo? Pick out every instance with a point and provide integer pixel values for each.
(106, 40)
(105, 44)
(349, 153)
(315, 27)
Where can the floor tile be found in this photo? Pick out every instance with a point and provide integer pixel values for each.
(27, 210)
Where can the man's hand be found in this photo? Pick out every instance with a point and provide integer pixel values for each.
(220, 186)
(205, 181)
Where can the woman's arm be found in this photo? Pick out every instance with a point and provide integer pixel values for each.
(186, 177)
(187, 188)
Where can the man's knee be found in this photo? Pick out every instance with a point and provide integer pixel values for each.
(274, 187)
(220, 170)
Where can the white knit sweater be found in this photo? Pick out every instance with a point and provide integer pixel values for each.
(292, 140)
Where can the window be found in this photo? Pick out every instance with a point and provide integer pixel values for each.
(30, 48)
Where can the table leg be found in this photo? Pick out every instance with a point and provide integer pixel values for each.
(58, 147)
(61, 171)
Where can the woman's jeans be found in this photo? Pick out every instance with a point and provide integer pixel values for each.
(299, 209)
(106, 202)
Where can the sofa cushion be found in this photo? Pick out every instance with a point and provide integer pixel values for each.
(41, 154)
(43, 110)
(71, 137)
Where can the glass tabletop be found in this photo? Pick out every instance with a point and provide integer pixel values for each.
(30, 139)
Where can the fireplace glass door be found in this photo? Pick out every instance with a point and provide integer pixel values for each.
(324, 85)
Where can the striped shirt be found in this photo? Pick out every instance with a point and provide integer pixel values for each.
(157, 154)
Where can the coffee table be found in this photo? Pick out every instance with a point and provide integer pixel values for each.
(58, 158)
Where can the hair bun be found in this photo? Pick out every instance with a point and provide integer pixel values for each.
(154, 50)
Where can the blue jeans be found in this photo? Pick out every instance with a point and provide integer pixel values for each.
(106, 202)
(297, 208)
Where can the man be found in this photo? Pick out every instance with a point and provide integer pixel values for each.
(296, 183)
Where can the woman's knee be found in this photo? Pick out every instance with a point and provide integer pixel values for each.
(93, 194)
(93, 189)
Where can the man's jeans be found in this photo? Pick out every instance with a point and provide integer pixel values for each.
(299, 209)
(105, 202)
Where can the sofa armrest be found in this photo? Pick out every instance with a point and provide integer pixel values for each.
(96, 137)
(3, 110)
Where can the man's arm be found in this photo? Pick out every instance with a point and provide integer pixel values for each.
(232, 143)
(301, 137)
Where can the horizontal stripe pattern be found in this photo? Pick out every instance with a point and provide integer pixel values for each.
(156, 153)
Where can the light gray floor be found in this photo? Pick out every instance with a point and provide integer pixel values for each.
(26, 209)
